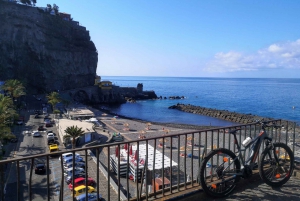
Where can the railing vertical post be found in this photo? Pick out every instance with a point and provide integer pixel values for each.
(171, 158)
(2, 188)
(294, 137)
(205, 151)
(178, 168)
(153, 173)
(286, 132)
(18, 181)
(61, 198)
(185, 146)
(127, 171)
(199, 157)
(86, 174)
(30, 180)
(163, 167)
(48, 179)
(137, 171)
(108, 172)
(192, 160)
(146, 169)
(73, 173)
(97, 170)
(119, 184)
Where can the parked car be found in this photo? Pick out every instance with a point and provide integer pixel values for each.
(52, 141)
(81, 181)
(69, 178)
(19, 122)
(40, 168)
(15, 139)
(77, 164)
(50, 136)
(70, 160)
(38, 112)
(36, 134)
(91, 197)
(69, 171)
(81, 190)
(53, 148)
(66, 155)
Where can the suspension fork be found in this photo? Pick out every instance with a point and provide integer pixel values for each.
(270, 147)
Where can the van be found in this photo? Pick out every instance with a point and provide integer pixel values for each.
(81, 190)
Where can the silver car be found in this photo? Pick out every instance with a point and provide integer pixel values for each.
(36, 134)
(69, 171)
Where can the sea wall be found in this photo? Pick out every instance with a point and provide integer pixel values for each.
(224, 114)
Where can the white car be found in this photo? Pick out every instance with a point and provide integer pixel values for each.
(50, 136)
(36, 134)
(66, 155)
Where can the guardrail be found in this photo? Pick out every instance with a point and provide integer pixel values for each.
(136, 170)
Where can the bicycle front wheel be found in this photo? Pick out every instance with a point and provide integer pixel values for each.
(276, 164)
(218, 172)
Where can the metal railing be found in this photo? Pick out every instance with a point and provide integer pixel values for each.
(141, 169)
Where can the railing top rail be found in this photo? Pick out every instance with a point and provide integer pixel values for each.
(131, 141)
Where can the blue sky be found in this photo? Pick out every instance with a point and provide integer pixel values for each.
(191, 38)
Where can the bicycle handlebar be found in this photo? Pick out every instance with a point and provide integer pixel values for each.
(266, 124)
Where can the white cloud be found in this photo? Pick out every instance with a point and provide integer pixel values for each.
(281, 55)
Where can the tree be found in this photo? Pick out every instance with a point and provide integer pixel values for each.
(25, 2)
(7, 114)
(55, 8)
(53, 99)
(14, 88)
(49, 7)
(73, 132)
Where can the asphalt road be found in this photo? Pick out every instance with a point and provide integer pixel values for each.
(28, 145)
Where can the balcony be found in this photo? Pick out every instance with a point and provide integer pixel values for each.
(146, 169)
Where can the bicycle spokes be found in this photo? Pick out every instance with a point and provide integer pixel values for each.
(220, 172)
(276, 165)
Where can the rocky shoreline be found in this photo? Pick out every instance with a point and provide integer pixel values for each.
(225, 114)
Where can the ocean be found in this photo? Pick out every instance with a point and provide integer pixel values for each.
(267, 97)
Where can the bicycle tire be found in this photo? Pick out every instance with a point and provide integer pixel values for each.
(219, 189)
(272, 173)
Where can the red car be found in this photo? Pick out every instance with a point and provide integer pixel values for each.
(81, 181)
(41, 128)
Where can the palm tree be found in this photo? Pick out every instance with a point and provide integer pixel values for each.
(7, 114)
(53, 99)
(73, 132)
(14, 88)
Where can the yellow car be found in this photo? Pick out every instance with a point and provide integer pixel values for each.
(53, 148)
(81, 189)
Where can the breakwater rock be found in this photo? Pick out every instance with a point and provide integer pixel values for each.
(221, 114)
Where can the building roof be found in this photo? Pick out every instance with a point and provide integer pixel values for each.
(87, 127)
(80, 112)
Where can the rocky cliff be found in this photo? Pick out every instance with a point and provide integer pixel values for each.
(44, 51)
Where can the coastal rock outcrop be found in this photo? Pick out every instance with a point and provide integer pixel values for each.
(221, 114)
(44, 51)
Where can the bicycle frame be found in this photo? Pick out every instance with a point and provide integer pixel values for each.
(254, 150)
